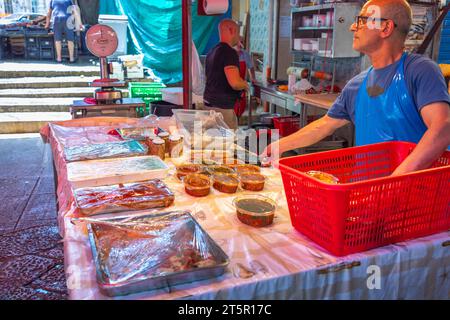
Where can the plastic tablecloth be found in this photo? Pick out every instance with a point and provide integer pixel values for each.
(274, 262)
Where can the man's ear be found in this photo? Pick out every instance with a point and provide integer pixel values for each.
(388, 29)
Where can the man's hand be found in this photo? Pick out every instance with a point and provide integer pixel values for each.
(234, 79)
(47, 25)
(257, 100)
(399, 171)
(270, 153)
(266, 152)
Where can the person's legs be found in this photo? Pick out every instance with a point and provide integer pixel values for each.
(58, 29)
(58, 51)
(71, 50)
(70, 36)
(229, 117)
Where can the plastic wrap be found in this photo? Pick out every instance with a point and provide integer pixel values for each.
(152, 251)
(137, 133)
(104, 151)
(112, 171)
(133, 196)
(78, 136)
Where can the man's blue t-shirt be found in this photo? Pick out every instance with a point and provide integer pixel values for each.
(424, 81)
(59, 8)
(245, 56)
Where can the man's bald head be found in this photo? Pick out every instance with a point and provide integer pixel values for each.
(229, 32)
(398, 11)
(227, 24)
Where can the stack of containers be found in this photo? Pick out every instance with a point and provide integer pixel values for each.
(148, 91)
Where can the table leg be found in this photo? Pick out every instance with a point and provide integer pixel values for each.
(55, 180)
(303, 115)
(249, 103)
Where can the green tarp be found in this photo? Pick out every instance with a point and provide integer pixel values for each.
(154, 29)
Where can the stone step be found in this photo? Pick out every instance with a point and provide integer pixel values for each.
(46, 82)
(47, 93)
(47, 73)
(11, 69)
(42, 104)
(36, 105)
(28, 122)
(80, 92)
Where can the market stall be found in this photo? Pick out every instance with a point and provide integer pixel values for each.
(270, 262)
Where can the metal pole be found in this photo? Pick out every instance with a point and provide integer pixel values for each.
(187, 53)
(276, 21)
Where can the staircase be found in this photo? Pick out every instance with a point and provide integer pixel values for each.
(34, 93)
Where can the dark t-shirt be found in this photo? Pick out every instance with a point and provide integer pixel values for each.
(423, 77)
(89, 10)
(218, 92)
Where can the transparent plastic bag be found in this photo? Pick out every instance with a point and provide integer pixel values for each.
(198, 76)
(204, 129)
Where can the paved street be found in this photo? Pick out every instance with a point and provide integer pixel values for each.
(31, 250)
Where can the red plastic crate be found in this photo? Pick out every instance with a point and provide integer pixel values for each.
(286, 125)
(368, 208)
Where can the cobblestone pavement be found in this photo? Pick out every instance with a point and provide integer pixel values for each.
(31, 250)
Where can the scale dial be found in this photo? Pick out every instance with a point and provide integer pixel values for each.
(101, 40)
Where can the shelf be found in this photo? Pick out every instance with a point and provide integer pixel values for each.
(342, 16)
(422, 3)
(314, 8)
(314, 28)
(413, 42)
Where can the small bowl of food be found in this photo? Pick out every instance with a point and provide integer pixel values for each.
(197, 185)
(185, 169)
(323, 176)
(218, 169)
(255, 210)
(225, 182)
(243, 168)
(252, 181)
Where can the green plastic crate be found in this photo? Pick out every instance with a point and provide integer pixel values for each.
(148, 91)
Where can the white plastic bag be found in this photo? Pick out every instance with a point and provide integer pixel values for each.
(198, 76)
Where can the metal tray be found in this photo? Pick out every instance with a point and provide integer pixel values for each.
(105, 150)
(164, 281)
(146, 201)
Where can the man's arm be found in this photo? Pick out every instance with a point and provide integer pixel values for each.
(312, 133)
(234, 78)
(47, 19)
(252, 75)
(76, 12)
(433, 143)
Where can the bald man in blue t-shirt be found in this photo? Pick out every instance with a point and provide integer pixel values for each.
(400, 98)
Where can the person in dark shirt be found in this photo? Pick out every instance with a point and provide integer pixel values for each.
(223, 81)
(61, 11)
(400, 98)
